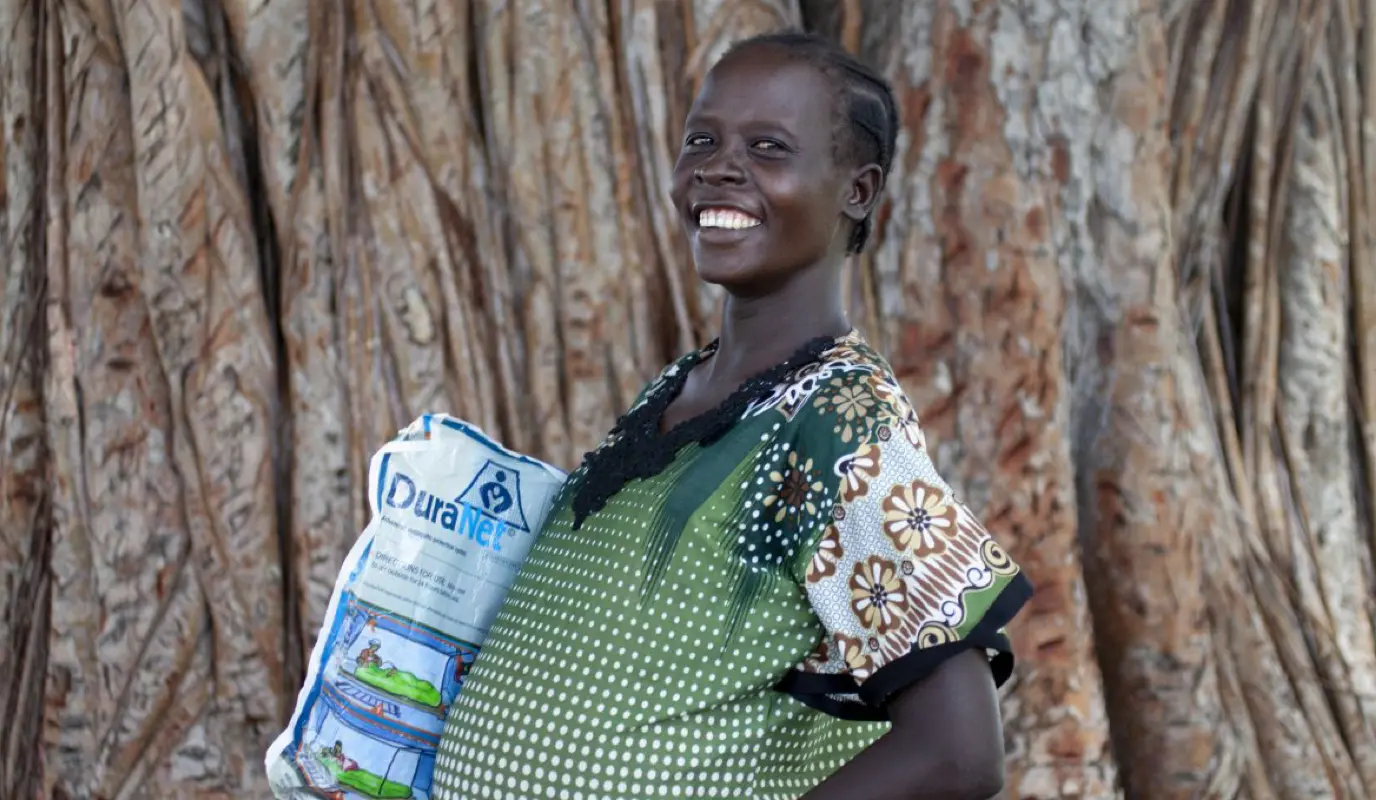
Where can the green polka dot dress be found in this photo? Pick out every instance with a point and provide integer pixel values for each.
(732, 625)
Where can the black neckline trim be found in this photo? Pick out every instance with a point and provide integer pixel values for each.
(637, 448)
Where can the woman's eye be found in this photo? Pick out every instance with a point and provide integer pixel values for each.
(768, 145)
(698, 140)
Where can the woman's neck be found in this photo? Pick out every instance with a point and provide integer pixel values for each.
(759, 332)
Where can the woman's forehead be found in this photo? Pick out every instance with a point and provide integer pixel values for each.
(766, 84)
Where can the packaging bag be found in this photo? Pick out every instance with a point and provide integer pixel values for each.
(453, 516)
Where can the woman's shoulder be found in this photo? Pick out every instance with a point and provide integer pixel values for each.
(851, 391)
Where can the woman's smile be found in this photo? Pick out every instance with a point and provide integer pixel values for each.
(730, 218)
(720, 225)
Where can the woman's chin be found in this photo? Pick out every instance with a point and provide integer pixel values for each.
(728, 274)
(746, 275)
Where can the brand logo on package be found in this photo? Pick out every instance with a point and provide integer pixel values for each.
(496, 489)
(484, 512)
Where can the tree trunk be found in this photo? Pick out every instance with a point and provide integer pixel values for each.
(1124, 268)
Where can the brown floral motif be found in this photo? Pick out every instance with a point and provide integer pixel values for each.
(858, 662)
(876, 594)
(856, 471)
(852, 406)
(829, 551)
(797, 489)
(913, 516)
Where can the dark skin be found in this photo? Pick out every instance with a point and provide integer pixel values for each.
(758, 142)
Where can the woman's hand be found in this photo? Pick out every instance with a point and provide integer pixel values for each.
(946, 742)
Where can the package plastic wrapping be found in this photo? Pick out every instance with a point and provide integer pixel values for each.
(453, 516)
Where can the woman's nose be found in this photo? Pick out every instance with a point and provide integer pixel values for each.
(721, 167)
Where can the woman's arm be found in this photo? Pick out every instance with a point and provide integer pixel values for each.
(946, 742)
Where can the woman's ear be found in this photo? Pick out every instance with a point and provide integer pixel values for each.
(866, 184)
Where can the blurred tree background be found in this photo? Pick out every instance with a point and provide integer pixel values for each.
(1125, 269)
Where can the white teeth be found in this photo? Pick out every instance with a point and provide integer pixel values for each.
(725, 218)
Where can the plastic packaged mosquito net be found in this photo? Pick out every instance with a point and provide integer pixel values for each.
(453, 516)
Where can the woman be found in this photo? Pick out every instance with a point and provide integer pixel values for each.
(758, 586)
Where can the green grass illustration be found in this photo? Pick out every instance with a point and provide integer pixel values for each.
(399, 683)
(368, 783)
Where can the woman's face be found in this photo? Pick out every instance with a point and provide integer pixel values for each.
(756, 185)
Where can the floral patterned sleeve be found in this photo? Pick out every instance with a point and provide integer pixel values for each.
(903, 577)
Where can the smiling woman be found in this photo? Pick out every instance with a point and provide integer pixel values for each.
(758, 585)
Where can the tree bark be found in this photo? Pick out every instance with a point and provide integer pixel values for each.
(25, 498)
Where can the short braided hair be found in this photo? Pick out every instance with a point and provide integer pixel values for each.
(864, 98)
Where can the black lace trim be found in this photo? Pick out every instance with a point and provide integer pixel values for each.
(636, 449)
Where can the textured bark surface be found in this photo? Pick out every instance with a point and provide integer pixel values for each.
(25, 530)
(1124, 267)
(1144, 514)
